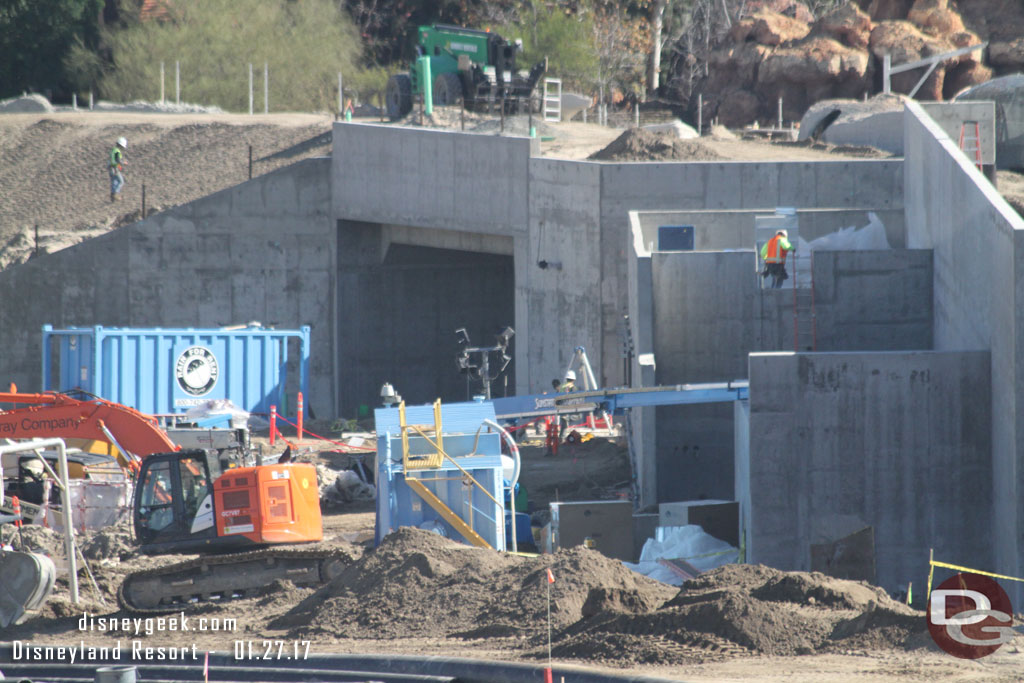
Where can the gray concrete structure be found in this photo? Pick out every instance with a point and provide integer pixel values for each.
(718, 230)
(870, 124)
(252, 252)
(978, 242)
(707, 314)
(569, 215)
(406, 234)
(900, 442)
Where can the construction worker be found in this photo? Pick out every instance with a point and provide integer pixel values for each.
(773, 253)
(569, 383)
(116, 168)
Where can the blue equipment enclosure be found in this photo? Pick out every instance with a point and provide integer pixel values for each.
(163, 371)
(441, 497)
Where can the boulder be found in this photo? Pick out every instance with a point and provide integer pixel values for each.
(735, 66)
(814, 69)
(795, 10)
(742, 30)
(849, 24)
(935, 16)
(906, 43)
(1007, 53)
(885, 10)
(772, 28)
(737, 108)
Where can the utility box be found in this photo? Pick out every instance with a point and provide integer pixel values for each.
(608, 523)
(718, 518)
(166, 371)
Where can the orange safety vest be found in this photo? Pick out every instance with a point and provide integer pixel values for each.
(773, 252)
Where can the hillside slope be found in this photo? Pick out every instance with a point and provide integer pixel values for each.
(53, 167)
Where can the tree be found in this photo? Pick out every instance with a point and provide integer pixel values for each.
(306, 43)
(35, 36)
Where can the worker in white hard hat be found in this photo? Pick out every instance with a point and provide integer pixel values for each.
(569, 383)
(116, 168)
(773, 253)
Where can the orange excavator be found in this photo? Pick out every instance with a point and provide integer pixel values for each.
(196, 501)
(56, 415)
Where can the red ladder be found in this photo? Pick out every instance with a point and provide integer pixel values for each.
(974, 141)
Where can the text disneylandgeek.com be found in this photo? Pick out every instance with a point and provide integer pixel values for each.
(134, 649)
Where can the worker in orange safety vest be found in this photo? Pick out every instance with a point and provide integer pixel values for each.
(773, 253)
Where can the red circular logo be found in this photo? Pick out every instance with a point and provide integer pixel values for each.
(970, 616)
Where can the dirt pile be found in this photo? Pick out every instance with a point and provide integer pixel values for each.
(637, 144)
(418, 584)
(747, 609)
(112, 544)
(53, 178)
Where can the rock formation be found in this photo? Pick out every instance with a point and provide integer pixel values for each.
(779, 50)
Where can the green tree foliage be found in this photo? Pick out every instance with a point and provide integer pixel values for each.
(562, 34)
(35, 36)
(305, 42)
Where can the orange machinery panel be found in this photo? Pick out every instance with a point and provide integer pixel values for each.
(269, 504)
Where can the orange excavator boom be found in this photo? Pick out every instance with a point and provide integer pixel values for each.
(52, 414)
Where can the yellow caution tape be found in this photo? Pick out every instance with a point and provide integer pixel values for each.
(968, 570)
(933, 563)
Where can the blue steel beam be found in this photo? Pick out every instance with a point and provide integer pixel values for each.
(617, 400)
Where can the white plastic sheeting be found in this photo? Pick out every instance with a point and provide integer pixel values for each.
(95, 504)
(866, 238)
(701, 550)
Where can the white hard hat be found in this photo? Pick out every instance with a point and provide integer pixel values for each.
(784, 233)
(570, 375)
(121, 142)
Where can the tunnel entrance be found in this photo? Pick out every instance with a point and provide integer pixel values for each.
(398, 317)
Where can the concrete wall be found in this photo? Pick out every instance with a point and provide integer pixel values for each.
(708, 314)
(978, 244)
(571, 215)
(884, 130)
(899, 441)
(864, 184)
(262, 250)
(734, 228)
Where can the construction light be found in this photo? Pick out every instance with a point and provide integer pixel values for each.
(504, 336)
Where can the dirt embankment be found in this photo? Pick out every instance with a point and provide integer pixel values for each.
(53, 173)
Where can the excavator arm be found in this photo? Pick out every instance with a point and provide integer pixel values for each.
(52, 414)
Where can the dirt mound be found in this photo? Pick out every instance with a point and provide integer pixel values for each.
(746, 609)
(37, 539)
(110, 543)
(637, 144)
(418, 584)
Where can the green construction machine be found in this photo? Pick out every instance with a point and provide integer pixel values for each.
(464, 66)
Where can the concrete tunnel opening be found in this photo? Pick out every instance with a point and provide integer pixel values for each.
(419, 296)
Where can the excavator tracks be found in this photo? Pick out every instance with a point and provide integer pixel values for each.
(218, 578)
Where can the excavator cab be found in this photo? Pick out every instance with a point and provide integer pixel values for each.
(173, 506)
(191, 501)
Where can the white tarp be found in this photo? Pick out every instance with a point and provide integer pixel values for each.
(94, 505)
(870, 237)
(701, 550)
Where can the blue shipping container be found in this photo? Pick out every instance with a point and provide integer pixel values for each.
(165, 371)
